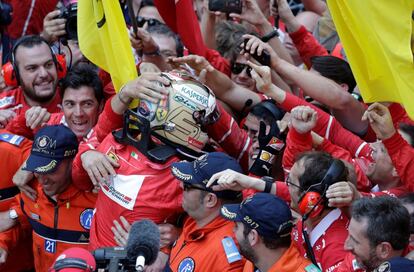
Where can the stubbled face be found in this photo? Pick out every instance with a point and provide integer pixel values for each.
(245, 248)
(192, 203)
(56, 182)
(37, 70)
(243, 78)
(358, 243)
(81, 110)
(296, 171)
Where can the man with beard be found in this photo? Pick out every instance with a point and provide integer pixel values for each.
(379, 231)
(35, 68)
(263, 226)
(206, 242)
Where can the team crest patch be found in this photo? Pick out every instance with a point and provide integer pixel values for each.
(384, 267)
(186, 265)
(85, 218)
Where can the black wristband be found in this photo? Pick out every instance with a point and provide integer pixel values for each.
(270, 35)
(268, 184)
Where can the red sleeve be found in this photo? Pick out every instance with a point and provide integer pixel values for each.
(18, 126)
(402, 156)
(231, 137)
(218, 62)
(328, 127)
(335, 151)
(295, 143)
(107, 122)
(394, 192)
(23, 11)
(363, 183)
(307, 45)
(181, 18)
(334, 252)
(80, 177)
(398, 114)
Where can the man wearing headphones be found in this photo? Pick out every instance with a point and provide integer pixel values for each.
(34, 71)
(322, 231)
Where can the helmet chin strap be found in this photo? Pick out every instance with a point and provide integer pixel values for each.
(145, 145)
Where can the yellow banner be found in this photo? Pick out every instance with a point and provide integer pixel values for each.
(376, 36)
(103, 39)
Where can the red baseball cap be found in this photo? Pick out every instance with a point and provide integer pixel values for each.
(74, 259)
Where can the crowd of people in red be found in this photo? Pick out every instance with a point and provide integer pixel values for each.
(251, 147)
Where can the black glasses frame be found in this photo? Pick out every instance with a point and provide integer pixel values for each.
(151, 21)
(237, 68)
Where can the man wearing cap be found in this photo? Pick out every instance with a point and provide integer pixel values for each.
(379, 233)
(263, 226)
(61, 215)
(206, 242)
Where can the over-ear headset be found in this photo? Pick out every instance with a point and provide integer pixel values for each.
(71, 263)
(270, 106)
(10, 70)
(312, 202)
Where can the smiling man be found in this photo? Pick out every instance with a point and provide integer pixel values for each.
(82, 101)
(379, 233)
(61, 215)
(35, 69)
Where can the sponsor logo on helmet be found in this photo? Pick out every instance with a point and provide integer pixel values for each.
(194, 96)
(184, 101)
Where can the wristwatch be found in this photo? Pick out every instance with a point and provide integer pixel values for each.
(270, 35)
(13, 214)
(268, 183)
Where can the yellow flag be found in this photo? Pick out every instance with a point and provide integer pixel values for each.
(103, 39)
(376, 36)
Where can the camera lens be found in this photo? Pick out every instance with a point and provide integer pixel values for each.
(72, 28)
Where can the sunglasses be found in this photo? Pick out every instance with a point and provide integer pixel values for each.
(151, 22)
(237, 68)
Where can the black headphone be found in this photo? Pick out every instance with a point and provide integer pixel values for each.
(71, 263)
(270, 106)
(312, 201)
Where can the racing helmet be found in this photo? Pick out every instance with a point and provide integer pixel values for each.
(177, 120)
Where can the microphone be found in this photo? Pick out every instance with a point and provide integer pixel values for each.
(143, 243)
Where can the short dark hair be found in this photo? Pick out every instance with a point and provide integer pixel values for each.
(316, 164)
(409, 199)
(163, 29)
(270, 243)
(335, 69)
(28, 41)
(146, 3)
(388, 220)
(229, 37)
(82, 75)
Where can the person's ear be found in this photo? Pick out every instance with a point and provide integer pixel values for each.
(384, 250)
(253, 237)
(211, 200)
(101, 106)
